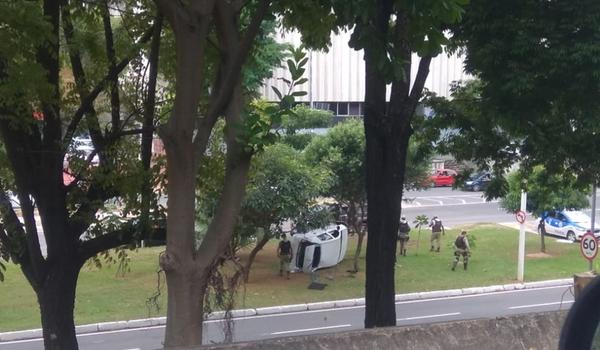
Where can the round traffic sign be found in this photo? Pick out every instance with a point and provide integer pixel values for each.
(589, 246)
(520, 215)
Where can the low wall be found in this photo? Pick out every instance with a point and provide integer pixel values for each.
(539, 331)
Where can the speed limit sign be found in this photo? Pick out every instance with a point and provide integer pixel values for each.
(589, 246)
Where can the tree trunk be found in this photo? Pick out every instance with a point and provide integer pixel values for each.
(542, 240)
(356, 225)
(186, 280)
(257, 248)
(148, 132)
(57, 301)
(361, 237)
(185, 308)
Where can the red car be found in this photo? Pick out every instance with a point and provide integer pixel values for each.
(443, 177)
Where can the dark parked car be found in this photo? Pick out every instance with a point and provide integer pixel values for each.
(478, 182)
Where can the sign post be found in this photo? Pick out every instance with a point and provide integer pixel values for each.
(588, 246)
(591, 261)
(521, 219)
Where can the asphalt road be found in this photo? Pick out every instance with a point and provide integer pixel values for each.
(455, 207)
(334, 320)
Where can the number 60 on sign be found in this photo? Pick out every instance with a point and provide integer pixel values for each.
(589, 246)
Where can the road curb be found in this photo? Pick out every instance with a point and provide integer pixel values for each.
(325, 305)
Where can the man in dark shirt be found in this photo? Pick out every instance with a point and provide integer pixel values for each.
(461, 248)
(403, 230)
(284, 252)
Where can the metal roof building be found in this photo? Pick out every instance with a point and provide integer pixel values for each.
(336, 79)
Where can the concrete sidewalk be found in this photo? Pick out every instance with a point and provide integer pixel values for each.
(159, 321)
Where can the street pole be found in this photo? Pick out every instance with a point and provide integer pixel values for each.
(311, 102)
(521, 263)
(591, 262)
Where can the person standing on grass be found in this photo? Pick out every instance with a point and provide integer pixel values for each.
(284, 252)
(461, 248)
(437, 230)
(403, 230)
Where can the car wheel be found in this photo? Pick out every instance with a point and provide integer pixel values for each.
(571, 236)
(476, 188)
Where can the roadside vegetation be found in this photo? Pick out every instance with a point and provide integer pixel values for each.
(493, 262)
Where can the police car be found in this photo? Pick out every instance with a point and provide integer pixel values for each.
(570, 224)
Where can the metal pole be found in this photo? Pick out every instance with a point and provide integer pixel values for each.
(521, 262)
(591, 264)
(310, 79)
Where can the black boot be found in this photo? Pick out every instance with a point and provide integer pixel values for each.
(465, 265)
(438, 250)
(431, 249)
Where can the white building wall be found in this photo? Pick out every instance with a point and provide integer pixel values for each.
(339, 74)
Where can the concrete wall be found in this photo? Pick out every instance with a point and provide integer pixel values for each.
(528, 332)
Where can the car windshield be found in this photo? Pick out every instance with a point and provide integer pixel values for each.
(577, 216)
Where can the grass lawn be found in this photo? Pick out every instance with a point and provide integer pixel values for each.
(104, 296)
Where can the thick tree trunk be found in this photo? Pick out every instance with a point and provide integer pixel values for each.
(57, 300)
(387, 131)
(257, 248)
(186, 279)
(386, 150)
(386, 157)
(185, 308)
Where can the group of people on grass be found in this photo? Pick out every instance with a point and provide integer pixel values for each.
(461, 244)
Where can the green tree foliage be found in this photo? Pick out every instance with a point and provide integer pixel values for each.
(545, 192)
(281, 188)
(297, 125)
(61, 76)
(537, 61)
(342, 153)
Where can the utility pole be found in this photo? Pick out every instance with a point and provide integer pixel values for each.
(591, 262)
(521, 262)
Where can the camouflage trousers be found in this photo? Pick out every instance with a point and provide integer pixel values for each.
(435, 240)
(457, 254)
(284, 263)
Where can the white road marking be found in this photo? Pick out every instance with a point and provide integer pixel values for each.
(428, 316)
(312, 329)
(479, 295)
(543, 304)
(313, 311)
(86, 334)
(450, 205)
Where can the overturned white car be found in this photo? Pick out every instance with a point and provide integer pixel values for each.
(320, 248)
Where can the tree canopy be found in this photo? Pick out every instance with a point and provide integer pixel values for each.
(539, 82)
(545, 192)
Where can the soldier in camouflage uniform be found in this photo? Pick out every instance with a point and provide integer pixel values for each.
(285, 255)
(461, 248)
(437, 229)
(403, 230)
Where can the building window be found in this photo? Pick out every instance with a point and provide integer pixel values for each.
(333, 108)
(321, 105)
(354, 108)
(342, 108)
